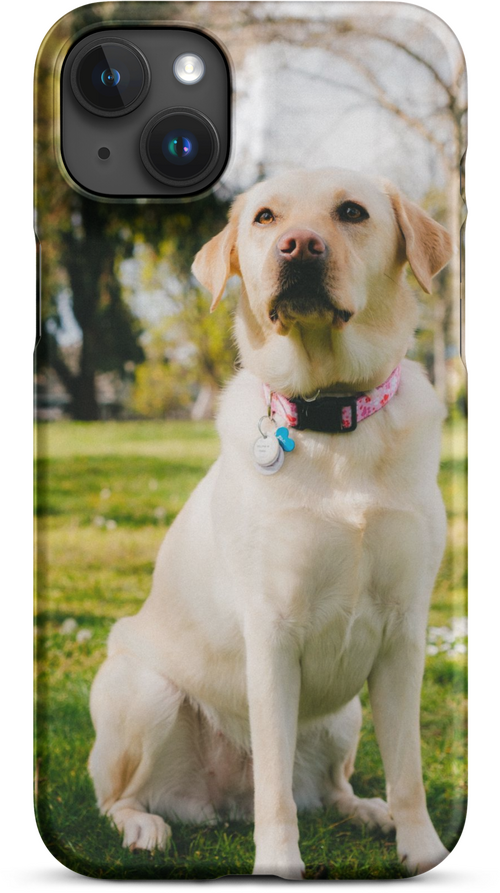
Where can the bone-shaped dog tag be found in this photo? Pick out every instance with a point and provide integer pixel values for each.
(287, 442)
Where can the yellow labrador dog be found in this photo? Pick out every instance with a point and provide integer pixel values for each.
(277, 594)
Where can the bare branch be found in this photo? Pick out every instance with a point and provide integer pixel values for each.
(405, 47)
(387, 103)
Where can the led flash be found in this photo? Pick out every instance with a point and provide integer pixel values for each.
(188, 68)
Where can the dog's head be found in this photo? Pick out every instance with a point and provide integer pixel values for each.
(321, 256)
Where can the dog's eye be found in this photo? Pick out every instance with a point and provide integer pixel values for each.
(265, 216)
(351, 212)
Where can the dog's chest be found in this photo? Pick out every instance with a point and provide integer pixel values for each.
(339, 544)
(337, 608)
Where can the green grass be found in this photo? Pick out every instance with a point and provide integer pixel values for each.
(105, 498)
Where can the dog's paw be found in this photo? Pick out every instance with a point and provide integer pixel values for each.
(290, 871)
(143, 831)
(277, 853)
(420, 850)
(372, 812)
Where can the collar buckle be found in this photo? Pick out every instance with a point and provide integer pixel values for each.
(325, 414)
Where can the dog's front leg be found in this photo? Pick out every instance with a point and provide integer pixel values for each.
(394, 686)
(273, 682)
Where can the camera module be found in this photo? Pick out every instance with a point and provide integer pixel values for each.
(110, 78)
(179, 146)
(145, 112)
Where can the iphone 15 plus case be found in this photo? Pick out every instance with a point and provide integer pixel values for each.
(250, 402)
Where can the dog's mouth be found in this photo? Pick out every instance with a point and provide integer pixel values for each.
(296, 302)
(282, 316)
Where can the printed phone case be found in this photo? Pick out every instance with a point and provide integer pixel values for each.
(234, 617)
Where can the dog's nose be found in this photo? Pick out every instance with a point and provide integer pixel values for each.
(301, 244)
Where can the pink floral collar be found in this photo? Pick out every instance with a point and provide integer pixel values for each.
(330, 414)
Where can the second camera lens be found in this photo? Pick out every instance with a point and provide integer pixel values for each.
(179, 146)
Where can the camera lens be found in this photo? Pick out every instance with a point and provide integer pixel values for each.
(179, 146)
(110, 77)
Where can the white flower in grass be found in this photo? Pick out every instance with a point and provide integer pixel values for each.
(100, 521)
(83, 635)
(68, 626)
(153, 484)
(448, 640)
(438, 632)
(460, 648)
(105, 493)
(160, 512)
(459, 627)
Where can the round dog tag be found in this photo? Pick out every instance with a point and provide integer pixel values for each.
(275, 466)
(266, 450)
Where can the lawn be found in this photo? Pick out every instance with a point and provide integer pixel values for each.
(104, 501)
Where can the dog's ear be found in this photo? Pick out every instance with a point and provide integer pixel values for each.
(218, 259)
(427, 245)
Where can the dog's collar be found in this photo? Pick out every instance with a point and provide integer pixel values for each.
(331, 414)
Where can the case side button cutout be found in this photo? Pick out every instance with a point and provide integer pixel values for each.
(36, 331)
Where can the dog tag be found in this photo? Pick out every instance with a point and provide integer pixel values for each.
(276, 465)
(266, 450)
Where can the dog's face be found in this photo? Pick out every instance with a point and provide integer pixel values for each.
(310, 248)
(322, 251)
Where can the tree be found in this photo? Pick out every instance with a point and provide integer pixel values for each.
(189, 356)
(90, 252)
(190, 352)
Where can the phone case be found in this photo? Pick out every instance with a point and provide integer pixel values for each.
(254, 706)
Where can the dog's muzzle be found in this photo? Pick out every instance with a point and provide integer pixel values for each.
(302, 292)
